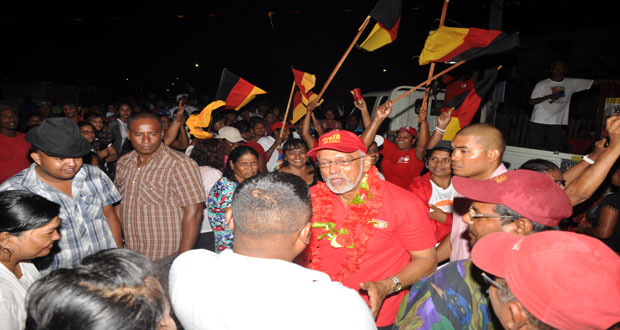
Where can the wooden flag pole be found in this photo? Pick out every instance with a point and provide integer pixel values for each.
(287, 106)
(346, 53)
(427, 81)
(423, 111)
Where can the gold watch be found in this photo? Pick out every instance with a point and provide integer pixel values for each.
(397, 286)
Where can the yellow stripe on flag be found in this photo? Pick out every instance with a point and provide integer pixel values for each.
(196, 123)
(377, 38)
(453, 127)
(301, 108)
(441, 42)
(255, 91)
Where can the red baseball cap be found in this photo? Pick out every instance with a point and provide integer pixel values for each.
(409, 130)
(564, 279)
(277, 125)
(339, 140)
(533, 195)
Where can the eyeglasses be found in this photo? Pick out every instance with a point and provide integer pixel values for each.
(339, 162)
(488, 279)
(473, 215)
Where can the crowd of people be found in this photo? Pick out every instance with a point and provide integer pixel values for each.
(122, 219)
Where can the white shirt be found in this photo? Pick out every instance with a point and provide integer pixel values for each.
(209, 177)
(235, 292)
(13, 294)
(442, 198)
(266, 142)
(556, 112)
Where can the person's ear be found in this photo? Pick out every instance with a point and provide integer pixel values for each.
(36, 157)
(523, 227)
(305, 233)
(493, 155)
(517, 316)
(367, 164)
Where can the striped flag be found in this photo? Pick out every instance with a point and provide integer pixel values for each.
(466, 105)
(300, 107)
(387, 13)
(305, 82)
(236, 91)
(448, 44)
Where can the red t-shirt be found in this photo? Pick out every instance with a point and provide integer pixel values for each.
(400, 167)
(402, 226)
(14, 153)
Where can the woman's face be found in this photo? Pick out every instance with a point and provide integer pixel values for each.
(330, 115)
(270, 118)
(440, 163)
(219, 124)
(373, 153)
(404, 140)
(245, 167)
(165, 122)
(297, 157)
(88, 132)
(36, 242)
(259, 129)
(97, 123)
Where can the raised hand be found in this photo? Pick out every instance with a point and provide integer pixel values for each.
(444, 118)
(361, 105)
(384, 110)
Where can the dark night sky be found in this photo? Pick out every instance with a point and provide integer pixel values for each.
(102, 43)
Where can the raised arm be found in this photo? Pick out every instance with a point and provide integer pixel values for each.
(305, 125)
(383, 111)
(442, 122)
(363, 108)
(575, 171)
(584, 186)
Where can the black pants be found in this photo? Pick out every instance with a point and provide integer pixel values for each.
(546, 137)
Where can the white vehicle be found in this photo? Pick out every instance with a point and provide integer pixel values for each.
(405, 113)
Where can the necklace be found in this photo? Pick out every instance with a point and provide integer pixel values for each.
(357, 226)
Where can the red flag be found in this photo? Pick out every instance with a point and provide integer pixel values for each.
(466, 105)
(235, 91)
(305, 82)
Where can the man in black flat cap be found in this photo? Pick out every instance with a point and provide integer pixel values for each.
(85, 193)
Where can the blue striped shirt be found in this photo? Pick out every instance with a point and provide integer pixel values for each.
(84, 229)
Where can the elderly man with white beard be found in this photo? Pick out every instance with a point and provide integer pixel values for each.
(367, 233)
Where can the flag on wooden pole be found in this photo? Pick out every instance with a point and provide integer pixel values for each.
(387, 13)
(448, 44)
(305, 82)
(466, 104)
(236, 91)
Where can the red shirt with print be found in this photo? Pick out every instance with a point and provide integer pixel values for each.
(401, 226)
(400, 167)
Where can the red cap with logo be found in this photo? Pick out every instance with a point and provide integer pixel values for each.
(409, 130)
(564, 279)
(339, 140)
(533, 195)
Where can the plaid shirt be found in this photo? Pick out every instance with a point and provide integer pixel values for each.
(154, 195)
(84, 229)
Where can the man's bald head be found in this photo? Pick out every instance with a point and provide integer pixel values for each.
(486, 135)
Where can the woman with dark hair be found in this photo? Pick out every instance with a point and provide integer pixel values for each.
(28, 229)
(296, 161)
(209, 155)
(242, 164)
(88, 132)
(111, 289)
(102, 142)
(330, 123)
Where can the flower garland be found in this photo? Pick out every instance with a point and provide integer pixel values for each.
(356, 229)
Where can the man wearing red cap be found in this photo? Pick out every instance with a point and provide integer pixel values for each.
(478, 151)
(553, 279)
(521, 202)
(273, 145)
(367, 233)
